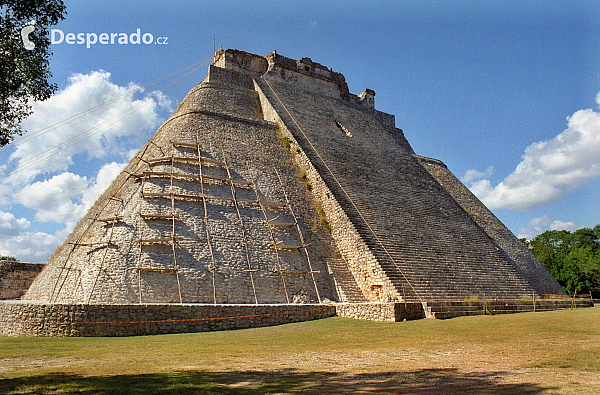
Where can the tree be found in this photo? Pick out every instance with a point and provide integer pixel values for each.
(572, 258)
(24, 73)
(8, 258)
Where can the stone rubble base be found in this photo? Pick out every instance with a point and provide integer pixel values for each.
(30, 318)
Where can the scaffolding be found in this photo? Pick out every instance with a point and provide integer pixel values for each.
(159, 246)
(201, 177)
(270, 223)
(240, 221)
(302, 246)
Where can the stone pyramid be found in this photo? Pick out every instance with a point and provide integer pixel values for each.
(272, 183)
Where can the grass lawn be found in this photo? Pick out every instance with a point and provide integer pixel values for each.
(530, 353)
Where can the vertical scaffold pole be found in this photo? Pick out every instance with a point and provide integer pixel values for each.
(241, 222)
(279, 267)
(213, 267)
(310, 268)
(173, 238)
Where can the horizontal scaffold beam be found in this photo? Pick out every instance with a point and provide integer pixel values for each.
(158, 241)
(284, 224)
(158, 217)
(167, 241)
(157, 269)
(94, 245)
(283, 271)
(182, 159)
(281, 246)
(117, 218)
(179, 196)
(185, 145)
(187, 177)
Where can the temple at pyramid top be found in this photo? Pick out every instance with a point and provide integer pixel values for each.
(303, 73)
(272, 183)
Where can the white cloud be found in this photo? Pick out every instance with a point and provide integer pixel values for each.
(538, 225)
(96, 134)
(472, 175)
(561, 225)
(534, 227)
(549, 168)
(66, 197)
(106, 175)
(31, 246)
(11, 225)
(63, 199)
(17, 240)
(55, 200)
(63, 196)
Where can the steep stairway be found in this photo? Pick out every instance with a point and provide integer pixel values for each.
(427, 245)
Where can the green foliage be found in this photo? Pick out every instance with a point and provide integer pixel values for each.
(287, 142)
(7, 258)
(572, 258)
(24, 72)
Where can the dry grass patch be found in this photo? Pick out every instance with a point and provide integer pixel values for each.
(531, 353)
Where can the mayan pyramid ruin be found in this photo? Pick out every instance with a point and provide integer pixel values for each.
(272, 184)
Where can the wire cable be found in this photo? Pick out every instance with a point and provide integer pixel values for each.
(90, 110)
(100, 126)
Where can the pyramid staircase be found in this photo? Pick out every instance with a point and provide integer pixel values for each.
(425, 243)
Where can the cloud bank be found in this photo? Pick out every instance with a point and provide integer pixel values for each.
(59, 189)
(548, 169)
(541, 224)
(93, 133)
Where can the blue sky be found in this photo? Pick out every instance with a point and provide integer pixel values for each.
(504, 92)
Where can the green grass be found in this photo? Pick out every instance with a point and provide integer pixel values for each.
(528, 353)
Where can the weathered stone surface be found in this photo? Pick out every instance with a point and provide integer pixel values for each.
(404, 237)
(270, 185)
(157, 238)
(522, 259)
(16, 277)
(27, 318)
(30, 318)
(381, 311)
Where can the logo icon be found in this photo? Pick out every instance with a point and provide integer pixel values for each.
(25, 32)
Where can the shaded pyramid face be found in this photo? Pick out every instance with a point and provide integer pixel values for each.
(211, 210)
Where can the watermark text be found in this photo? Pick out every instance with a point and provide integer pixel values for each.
(57, 36)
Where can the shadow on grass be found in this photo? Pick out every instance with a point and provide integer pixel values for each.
(428, 381)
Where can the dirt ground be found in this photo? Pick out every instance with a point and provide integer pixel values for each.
(531, 353)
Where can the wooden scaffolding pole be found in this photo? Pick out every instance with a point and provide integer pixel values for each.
(108, 243)
(173, 234)
(212, 269)
(255, 188)
(304, 245)
(242, 226)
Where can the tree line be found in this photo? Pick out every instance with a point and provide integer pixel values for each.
(573, 258)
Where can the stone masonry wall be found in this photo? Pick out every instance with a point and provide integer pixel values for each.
(26, 318)
(43, 319)
(392, 312)
(16, 277)
(364, 280)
